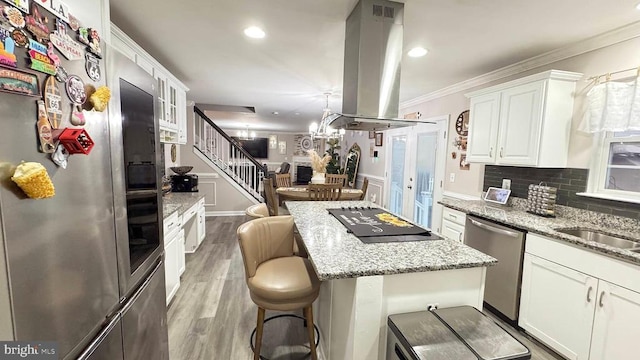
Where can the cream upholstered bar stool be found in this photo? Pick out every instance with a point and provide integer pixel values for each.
(277, 279)
(257, 211)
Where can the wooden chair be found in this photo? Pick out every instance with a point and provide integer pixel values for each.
(365, 185)
(336, 179)
(283, 180)
(325, 192)
(277, 279)
(270, 197)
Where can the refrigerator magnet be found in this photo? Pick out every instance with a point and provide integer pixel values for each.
(14, 16)
(91, 38)
(7, 57)
(22, 5)
(53, 101)
(37, 25)
(60, 156)
(77, 116)
(44, 130)
(40, 61)
(20, 37)
(74, 24)
(100, 98)
(75, 90)
(92, 65)
(62, 75)
(19, 82)
(69, 48)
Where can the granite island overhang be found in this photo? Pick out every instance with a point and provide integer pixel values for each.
(364, 283)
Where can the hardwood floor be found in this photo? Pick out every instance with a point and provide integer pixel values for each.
(212, 315)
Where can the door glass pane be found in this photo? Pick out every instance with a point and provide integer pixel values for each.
(398, 155)
(425, 178)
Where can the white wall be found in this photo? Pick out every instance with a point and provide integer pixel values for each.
(612, 58)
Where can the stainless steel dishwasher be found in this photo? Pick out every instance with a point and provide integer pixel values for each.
(502, 288)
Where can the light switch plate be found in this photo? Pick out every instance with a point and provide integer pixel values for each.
(452, 177)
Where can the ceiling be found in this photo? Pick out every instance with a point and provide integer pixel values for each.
(202, 43)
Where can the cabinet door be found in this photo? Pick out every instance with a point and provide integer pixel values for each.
(202, 231)
(483, 128)
(172, 104)
(617, 323)
(520, 124)
(181, 252)
(171, 268)
(182, 117)
(557, 306)
(452, 231)
(162, 99)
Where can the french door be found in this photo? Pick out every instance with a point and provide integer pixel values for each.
(415, 159)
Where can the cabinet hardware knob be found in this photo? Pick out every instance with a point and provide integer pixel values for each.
(601, 296)
(501, 152)
(409, 187)
(589, 294)
(490, 152)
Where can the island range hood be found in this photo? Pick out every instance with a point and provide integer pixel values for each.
(372, 56)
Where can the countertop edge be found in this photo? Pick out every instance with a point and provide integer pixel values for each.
(187, 201)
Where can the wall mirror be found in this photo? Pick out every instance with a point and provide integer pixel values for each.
(351, 165)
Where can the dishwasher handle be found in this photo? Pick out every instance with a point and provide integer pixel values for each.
(494, 229)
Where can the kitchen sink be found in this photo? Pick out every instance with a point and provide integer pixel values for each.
(592, 235)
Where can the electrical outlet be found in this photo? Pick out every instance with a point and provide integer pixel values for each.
(452, 177)
(506, 184)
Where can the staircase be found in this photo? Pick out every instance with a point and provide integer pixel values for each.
(232, 160)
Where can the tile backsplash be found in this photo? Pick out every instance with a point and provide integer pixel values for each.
(568, 181)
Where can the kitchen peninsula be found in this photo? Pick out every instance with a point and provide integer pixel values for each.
(364, 283)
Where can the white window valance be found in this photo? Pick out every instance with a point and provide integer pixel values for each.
(612, 106)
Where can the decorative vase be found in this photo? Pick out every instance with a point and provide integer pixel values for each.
(318, 178)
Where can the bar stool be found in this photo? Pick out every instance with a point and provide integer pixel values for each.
(277, 279)
(257, 211)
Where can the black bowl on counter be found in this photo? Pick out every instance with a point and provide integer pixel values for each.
(181, 170)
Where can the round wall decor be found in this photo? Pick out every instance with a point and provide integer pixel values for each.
(306, 143)
(462, 123)
(173, 153)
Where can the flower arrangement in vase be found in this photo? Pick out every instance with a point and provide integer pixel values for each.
(319, 166)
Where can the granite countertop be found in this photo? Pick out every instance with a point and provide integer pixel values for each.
(336, 254)
(180, 202)
(521, 219)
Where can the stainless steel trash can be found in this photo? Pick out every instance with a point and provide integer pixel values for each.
(461, 333)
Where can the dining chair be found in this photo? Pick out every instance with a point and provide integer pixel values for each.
(325, 192)
(276, 278)
(283, 180)
(365, 185)
(270, 196)
(336, 179)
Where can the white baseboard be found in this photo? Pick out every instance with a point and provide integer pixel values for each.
(224, 213)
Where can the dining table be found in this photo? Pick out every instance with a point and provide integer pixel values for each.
(301, 193)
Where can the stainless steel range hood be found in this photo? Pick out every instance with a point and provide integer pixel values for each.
(372, 56)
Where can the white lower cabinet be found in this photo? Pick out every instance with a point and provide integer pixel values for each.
(202, 231)
(616, 324)
(577, 309)
(556, 306)
(453, 224)
(172, 267)
(181, 257)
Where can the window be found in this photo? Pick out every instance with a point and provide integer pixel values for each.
(615, 172)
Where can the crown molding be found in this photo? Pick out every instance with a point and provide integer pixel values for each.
(609, 38)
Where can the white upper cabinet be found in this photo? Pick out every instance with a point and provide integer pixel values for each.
(525, 122)
(172, 93)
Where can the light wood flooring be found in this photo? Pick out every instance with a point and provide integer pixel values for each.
(212, 315)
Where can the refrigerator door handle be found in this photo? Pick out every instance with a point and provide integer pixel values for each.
(140, 290)
(493, 229)
(91, 348)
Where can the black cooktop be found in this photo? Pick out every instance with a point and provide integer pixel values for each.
(375, 225)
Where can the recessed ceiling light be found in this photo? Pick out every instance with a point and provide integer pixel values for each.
(297, 113)
(254, 32)
(417, 52)
(275, 113)
(638, 6)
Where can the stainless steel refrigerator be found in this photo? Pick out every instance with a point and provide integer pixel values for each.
(84, 268)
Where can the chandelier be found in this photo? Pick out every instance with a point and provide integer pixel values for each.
(246, 135)
(323, 130)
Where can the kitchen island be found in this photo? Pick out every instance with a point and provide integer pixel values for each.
(364, 283)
